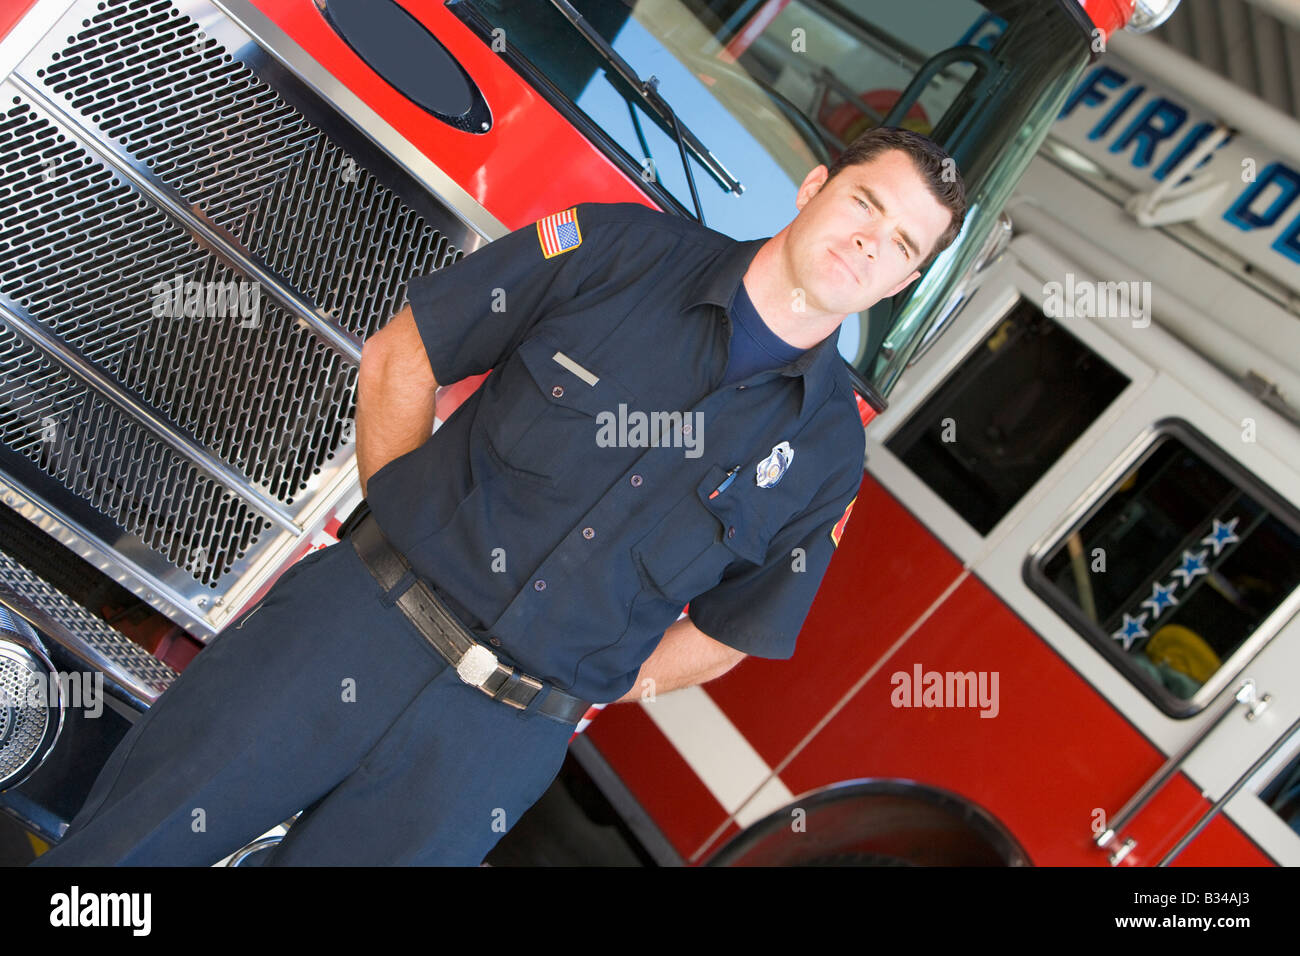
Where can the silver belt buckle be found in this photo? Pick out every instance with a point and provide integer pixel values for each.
(477, 665)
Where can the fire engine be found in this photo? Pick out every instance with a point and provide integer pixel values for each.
(1062, 608)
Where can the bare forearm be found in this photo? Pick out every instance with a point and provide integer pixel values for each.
(395, 414)
(685, 656)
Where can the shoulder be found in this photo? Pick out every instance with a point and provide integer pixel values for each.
(641, 222)
(848, 436)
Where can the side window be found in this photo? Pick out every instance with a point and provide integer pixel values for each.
(1011, 409)
(1180, 571)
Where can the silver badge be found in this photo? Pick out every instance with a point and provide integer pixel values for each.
(771, 468)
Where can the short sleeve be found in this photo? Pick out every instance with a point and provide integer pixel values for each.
(473, 313)
(760, 610)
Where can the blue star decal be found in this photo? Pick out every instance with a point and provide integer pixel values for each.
(1222, 535)
(1131, 630)
(1193, 564)
(1161, 598)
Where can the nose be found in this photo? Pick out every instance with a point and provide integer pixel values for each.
(868, 242)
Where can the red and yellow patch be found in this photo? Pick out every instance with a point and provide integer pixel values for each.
(838, 530)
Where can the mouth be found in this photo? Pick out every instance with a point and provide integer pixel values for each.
(845, 266)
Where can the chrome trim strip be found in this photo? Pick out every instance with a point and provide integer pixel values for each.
(269, 35)
(30, 29)
(16, 319)
(221, 243)
(338, 494)
(116, 562)
(132, 687)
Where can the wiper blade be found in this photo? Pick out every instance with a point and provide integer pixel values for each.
(648, 91)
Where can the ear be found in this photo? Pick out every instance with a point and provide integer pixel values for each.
(902, 285)
(811, 184)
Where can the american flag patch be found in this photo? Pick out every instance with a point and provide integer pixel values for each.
(838, 530)
(559, 232)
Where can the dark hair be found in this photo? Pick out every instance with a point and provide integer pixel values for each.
(936, 167)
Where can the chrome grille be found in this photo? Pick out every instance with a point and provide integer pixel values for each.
(130, 140)
(101, 455)
(254, 165)
(315, 252)
(78, 247)
(142, 670)
(144, 73)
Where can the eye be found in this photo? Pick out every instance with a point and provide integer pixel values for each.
(902, 247)
(861, 203)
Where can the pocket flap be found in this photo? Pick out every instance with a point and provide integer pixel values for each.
(566, 381)
(742, 527)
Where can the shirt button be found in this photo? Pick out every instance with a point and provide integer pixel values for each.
(731, 532)
(589, 532)
(557, 391)
(740, 388)
(495, 642)
(636, 481)
(686, 429)
(539, 585)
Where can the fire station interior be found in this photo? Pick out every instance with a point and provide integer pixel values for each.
(1103, 479)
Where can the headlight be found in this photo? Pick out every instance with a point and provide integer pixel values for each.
(1149, 14)
(31, 701)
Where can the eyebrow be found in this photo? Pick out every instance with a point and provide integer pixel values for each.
(901, 231)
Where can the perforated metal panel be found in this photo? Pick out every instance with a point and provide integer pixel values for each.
(81, 251)
(151, 676)
(365, 216)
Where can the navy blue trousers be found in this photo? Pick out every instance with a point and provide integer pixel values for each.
(322, 696)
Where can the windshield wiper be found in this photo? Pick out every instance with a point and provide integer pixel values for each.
(648, 91)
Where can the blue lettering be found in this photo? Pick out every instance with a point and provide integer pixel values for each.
(1159, 120)
(1116, 111)
(1289, 242)
(1090, 91)
(1243, 217)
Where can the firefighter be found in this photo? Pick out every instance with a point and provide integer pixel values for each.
(668, 423)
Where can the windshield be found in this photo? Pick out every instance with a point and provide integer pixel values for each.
(770, 89)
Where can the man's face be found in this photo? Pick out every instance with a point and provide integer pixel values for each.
(860, 236)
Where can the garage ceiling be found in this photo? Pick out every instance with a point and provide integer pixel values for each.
(1255, 45)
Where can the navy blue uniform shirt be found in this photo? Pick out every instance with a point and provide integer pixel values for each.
(558, 511)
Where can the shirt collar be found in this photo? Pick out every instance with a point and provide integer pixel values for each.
(717, 286)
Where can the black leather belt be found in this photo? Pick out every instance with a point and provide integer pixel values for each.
(474, 663)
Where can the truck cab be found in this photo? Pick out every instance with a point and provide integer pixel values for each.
(214, 202)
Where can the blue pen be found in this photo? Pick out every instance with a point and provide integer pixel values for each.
(731, 476)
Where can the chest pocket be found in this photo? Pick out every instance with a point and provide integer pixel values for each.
(545, 422)
(689, 549)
